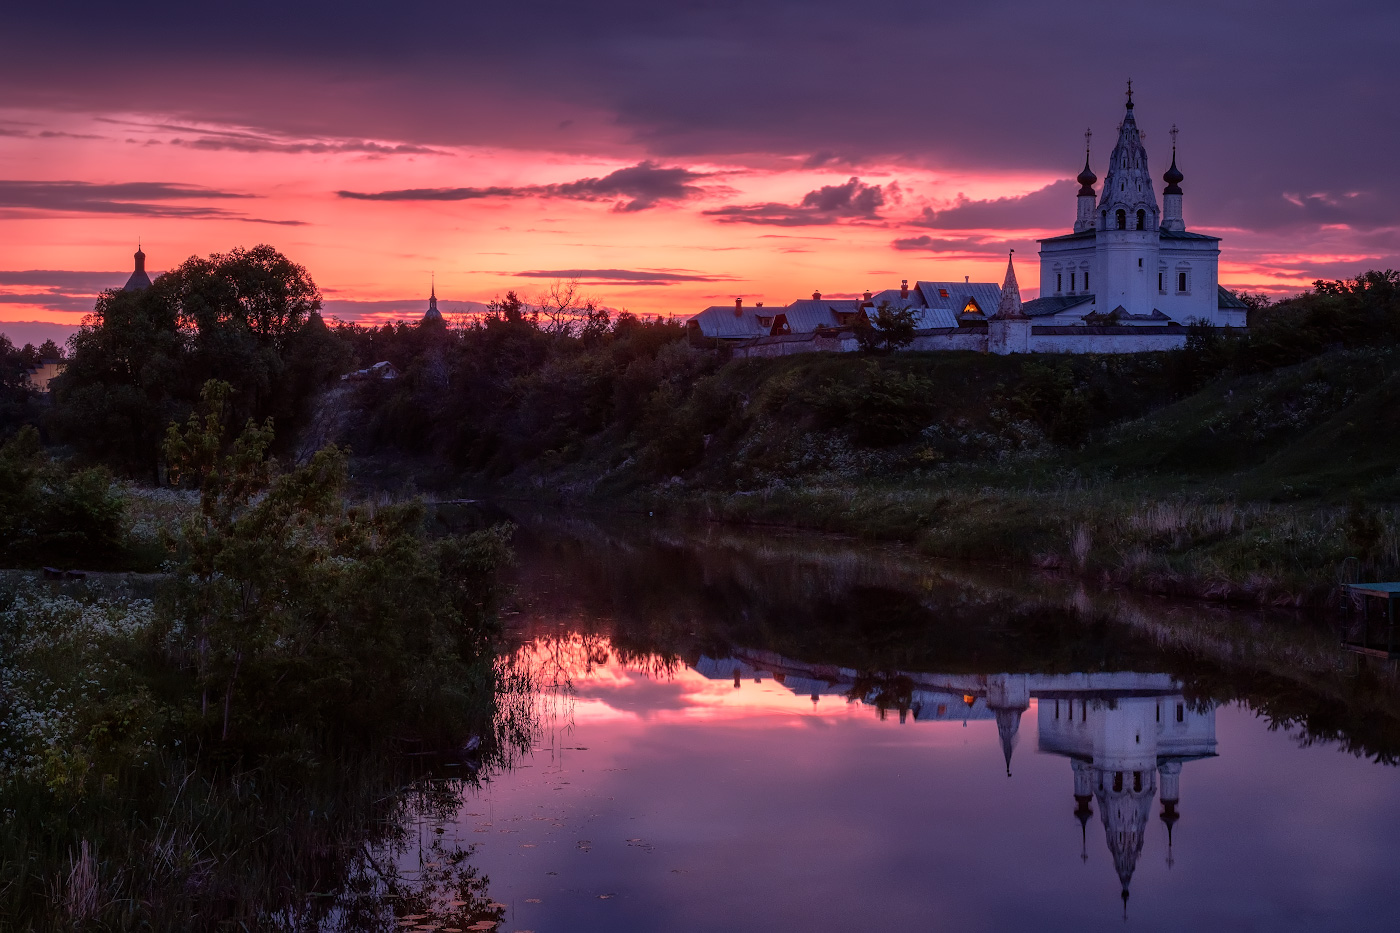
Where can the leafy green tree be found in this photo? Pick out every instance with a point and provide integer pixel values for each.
(49, 515)
(299, 606)
(891, 328)
(248, 317)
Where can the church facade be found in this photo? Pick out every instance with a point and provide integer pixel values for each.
(1127, 261)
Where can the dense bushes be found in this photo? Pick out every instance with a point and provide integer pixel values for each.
(50, 515)
(216, 754)
(1346, 313)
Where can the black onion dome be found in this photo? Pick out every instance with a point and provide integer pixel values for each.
(1173, 178)
(1086, 180)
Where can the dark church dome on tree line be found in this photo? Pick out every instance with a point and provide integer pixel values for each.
(139, 279)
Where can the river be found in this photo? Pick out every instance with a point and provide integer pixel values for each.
(743, 731)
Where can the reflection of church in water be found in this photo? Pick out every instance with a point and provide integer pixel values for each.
(1126, 734)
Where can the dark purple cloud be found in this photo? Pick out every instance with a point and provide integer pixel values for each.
(623, 276)
(137, 198)
(634, 188)
(1047, 208)
(853, 200)
(146, 198)
(963, 246)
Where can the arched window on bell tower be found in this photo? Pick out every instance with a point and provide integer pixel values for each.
(1122, 218)
(1142, 220)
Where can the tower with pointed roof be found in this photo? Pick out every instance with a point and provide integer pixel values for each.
(432, 314)
(1009, 331)
(139, 279)
(1129, 261)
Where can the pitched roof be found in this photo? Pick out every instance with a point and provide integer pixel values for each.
(807, 314)
(1054, 304)
(1228, 300)
(720, 321)
(954, 296)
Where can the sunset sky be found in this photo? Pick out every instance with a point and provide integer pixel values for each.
(673, 155)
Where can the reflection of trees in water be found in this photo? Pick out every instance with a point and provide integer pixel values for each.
(440, 889)
(689, 591)
(547, 669)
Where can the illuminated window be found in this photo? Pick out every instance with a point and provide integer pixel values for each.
(971, 307)
(943, 293)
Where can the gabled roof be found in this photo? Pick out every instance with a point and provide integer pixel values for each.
(986, 294)
(1228, 300)
(807, 314)
(1043, 307)
(720, 322)
(930, 318)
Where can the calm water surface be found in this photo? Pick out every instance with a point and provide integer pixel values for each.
(738, 732)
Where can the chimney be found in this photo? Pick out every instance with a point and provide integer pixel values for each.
(903, 288)
(816, 296)
(758, 304)
(738, 307)
(966, 279)
(867, 294)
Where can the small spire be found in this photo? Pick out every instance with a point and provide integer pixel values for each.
(1010, 304)
(1130, 93)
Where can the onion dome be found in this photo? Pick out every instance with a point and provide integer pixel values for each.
(1086, 180)
(139, 279)
(1173, 178)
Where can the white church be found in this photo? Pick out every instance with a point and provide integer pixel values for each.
(1128, 278)
(1127, 261)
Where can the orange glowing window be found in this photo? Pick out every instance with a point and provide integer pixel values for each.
(943, 293)
(971, 307)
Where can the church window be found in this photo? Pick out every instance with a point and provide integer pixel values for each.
(1118, 782)
(1180, 712)
(1142, 220)
(1161, 286)
(1181, 281)
(1137, 782)
(1139, 258)
(1086, 281)
(1159, 712)
(1083, 710)
(1122, 218)
(1059, 281)
(1071, 281)
(1057, 709)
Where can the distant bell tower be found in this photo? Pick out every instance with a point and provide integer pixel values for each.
(1084, 219)
(139, 279)
(432, 314)
(1171, 195)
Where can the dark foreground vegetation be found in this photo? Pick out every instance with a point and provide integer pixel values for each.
(223, 750)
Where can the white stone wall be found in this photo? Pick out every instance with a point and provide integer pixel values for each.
(1107, 343)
